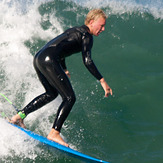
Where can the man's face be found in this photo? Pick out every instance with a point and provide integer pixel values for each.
(97, 26)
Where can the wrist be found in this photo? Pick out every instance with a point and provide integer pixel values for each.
(102, 80)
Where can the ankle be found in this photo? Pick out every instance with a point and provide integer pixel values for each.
(54, 132)
(21, 114)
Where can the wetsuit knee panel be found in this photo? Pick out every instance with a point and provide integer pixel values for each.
(70, 99)
(52, 95)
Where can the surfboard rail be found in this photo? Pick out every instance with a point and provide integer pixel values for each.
(58, 146)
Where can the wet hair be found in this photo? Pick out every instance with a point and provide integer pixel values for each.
(94, 15)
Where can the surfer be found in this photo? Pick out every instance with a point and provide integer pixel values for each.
(52, 72)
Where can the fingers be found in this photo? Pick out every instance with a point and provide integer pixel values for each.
(111, 92)
(67, 73)
(108, 91)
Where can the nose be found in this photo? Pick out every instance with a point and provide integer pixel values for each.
(103, 28)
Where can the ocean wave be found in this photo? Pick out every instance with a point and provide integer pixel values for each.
(153, 7)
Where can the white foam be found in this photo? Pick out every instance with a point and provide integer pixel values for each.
(16, 27)
(154, 7)
(13, 142)
(19, 22)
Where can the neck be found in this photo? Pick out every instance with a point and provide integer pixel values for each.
(89, 29)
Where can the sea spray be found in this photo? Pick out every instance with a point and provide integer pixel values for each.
(20, 22)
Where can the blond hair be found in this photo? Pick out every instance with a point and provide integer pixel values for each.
(94, 15)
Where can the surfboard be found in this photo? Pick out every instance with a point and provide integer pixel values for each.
(49, 142)
(60, 147)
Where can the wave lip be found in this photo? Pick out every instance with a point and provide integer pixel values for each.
(153, 7)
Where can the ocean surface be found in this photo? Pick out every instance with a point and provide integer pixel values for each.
(124, 128)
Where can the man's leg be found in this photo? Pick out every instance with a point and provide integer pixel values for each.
(50, 94)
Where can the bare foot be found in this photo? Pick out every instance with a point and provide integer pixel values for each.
(17, 120)
(54, 135)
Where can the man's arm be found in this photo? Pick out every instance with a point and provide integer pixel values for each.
(63, 64)
(88, 62)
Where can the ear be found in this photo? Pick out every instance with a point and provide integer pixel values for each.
(91, 22)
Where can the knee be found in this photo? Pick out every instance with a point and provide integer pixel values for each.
(71, 100)
(52, 95)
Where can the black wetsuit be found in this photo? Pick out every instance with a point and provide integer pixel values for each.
(49, 64)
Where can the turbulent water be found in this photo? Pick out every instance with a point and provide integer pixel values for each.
(124, 128)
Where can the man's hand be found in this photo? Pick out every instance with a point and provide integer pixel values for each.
(67, 73)
(106, 87)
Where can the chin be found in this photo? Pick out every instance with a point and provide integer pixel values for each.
(97, 34)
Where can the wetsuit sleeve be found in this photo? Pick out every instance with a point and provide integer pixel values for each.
(88, 62)
(63, 64)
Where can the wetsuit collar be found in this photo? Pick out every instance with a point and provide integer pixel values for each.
(86, 28)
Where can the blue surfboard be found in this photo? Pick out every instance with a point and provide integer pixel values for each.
(59, 146)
